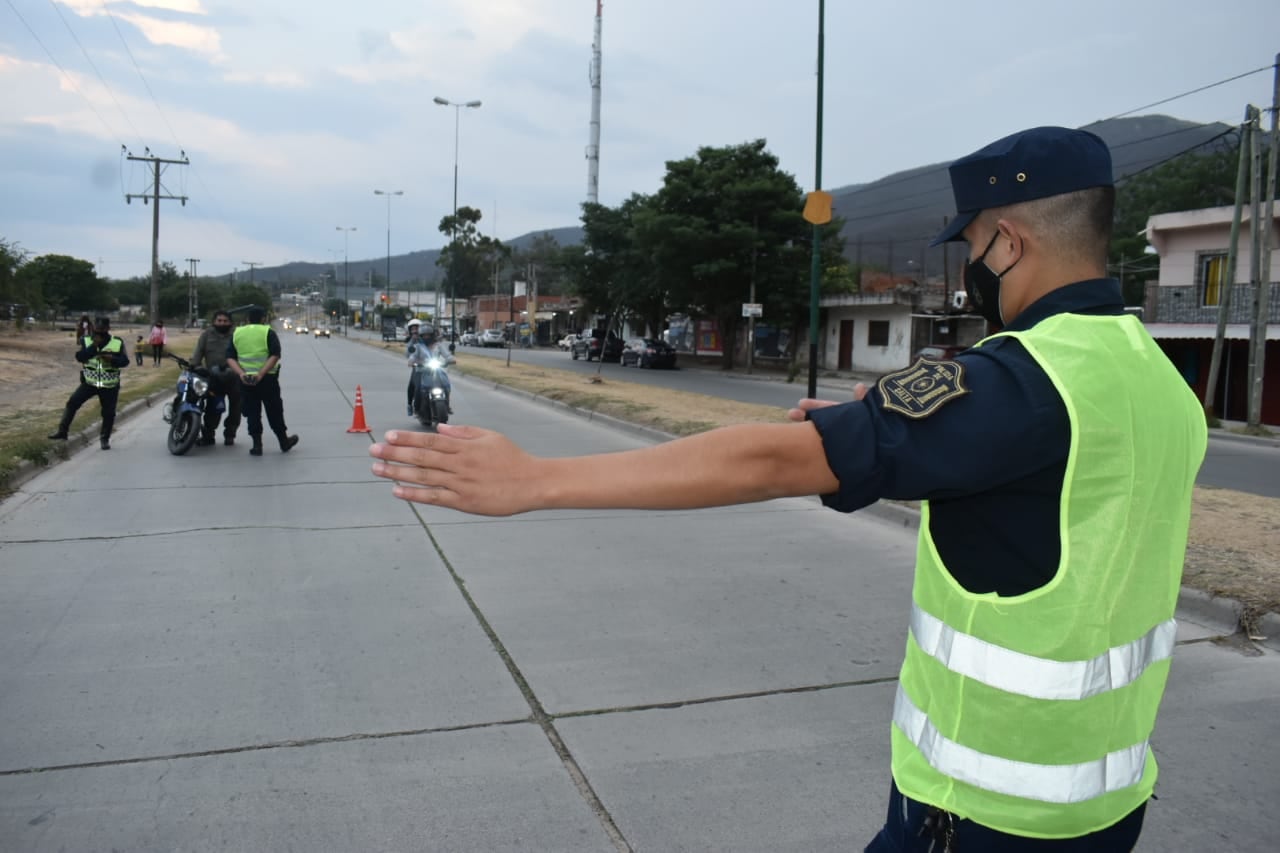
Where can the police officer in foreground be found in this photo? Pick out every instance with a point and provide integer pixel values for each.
(102, 355)
(211, 352)
(254, 357)
(1055, 461)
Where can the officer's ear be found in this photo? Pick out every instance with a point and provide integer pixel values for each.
(1009, 246)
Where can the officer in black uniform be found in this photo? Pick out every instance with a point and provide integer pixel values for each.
(102, 355)
(986, 438)
(254, 356)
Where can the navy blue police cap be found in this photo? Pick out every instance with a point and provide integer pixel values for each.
(1032, 164)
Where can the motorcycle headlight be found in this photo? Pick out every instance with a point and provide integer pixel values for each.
(435, 364)
(437, 392)
(200, 386)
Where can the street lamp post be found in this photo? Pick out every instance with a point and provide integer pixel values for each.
(346, 269)
(457, 112)
(388, 194)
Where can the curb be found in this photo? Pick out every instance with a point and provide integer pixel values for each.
(1256, 440)
(1216, 613)
(28, 470)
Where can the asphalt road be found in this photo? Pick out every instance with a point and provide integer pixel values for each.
(221, 652)
(1229, 464)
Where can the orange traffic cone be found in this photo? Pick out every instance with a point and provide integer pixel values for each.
(357, 420)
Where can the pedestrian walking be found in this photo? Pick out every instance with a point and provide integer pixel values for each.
(158, 338)
(102, 355)
(1054, 462)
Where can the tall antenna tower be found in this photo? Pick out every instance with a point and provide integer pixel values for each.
(593, 146)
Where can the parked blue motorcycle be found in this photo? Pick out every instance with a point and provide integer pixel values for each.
(198, 392)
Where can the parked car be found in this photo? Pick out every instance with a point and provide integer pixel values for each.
(469, 339)
(322, 331)
(589, 346)
(493, 338)
(938, 352)
(648, 352)
(566, 343)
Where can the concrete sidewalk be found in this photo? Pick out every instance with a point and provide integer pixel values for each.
(220, 652)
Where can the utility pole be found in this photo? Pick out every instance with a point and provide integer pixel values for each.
(252, 265)
(946, 272)
(1224, 287)
(815, 265)
(193, 292)
(1256, 347)
(1261, 269)
(154, 198)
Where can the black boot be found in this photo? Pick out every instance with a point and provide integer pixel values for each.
(60, 435)
(206, 439)
(229, 439)
(287, 442)
(105, 442)
(256, 450)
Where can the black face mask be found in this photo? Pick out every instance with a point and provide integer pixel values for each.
(983, 285)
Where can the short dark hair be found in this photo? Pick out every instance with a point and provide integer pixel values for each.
(1077, 225)
(103, 323)
(217, 314)
(256, 314)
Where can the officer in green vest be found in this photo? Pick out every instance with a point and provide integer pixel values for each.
(254, 356)
(1054, 460)
(102, 355)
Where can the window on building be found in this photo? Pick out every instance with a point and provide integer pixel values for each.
(878, 333)
(1213, 275)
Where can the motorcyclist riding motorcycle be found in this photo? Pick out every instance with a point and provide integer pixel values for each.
(422, 345)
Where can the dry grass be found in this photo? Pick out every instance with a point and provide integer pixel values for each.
(38, 372)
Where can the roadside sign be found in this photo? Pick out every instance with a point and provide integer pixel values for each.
(752, 309)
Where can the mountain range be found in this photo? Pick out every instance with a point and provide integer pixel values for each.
(888, 222)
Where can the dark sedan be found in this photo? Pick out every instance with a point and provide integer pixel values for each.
(648, 352)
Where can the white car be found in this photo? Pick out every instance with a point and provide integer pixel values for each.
(493, 338)
(566, 343)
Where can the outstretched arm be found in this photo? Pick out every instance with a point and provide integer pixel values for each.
(483, 472)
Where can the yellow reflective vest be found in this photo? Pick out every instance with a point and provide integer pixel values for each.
(1032, 714)
(251, 348)
(98, 372)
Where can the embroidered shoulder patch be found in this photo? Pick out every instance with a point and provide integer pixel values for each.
(923, 388)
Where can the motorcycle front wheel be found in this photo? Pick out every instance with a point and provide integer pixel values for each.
(440, 411)
(183, 432)
(422, 408)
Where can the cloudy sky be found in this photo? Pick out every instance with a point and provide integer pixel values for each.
(293, 111)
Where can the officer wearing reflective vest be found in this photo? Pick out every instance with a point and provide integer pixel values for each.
(254, 356)
(102, 355)
(1054, 461)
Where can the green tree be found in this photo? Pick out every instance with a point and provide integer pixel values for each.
(469, 255)
(1185, 183)
(724, 218)
(65, 283)
(11, 291)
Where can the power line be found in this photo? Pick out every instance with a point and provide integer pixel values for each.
(935, 170)
(209, 193)
(1185, 94)
(92, 65)
(1159, 163)
(147, 85)
(111, 130)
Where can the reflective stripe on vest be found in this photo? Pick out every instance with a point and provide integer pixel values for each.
(1048, 783)
(99, 373)
(251, 348)
(1037, 677)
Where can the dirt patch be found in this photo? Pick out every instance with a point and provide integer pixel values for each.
(38, 371)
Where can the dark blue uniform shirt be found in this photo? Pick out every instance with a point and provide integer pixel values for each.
(991, 462)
